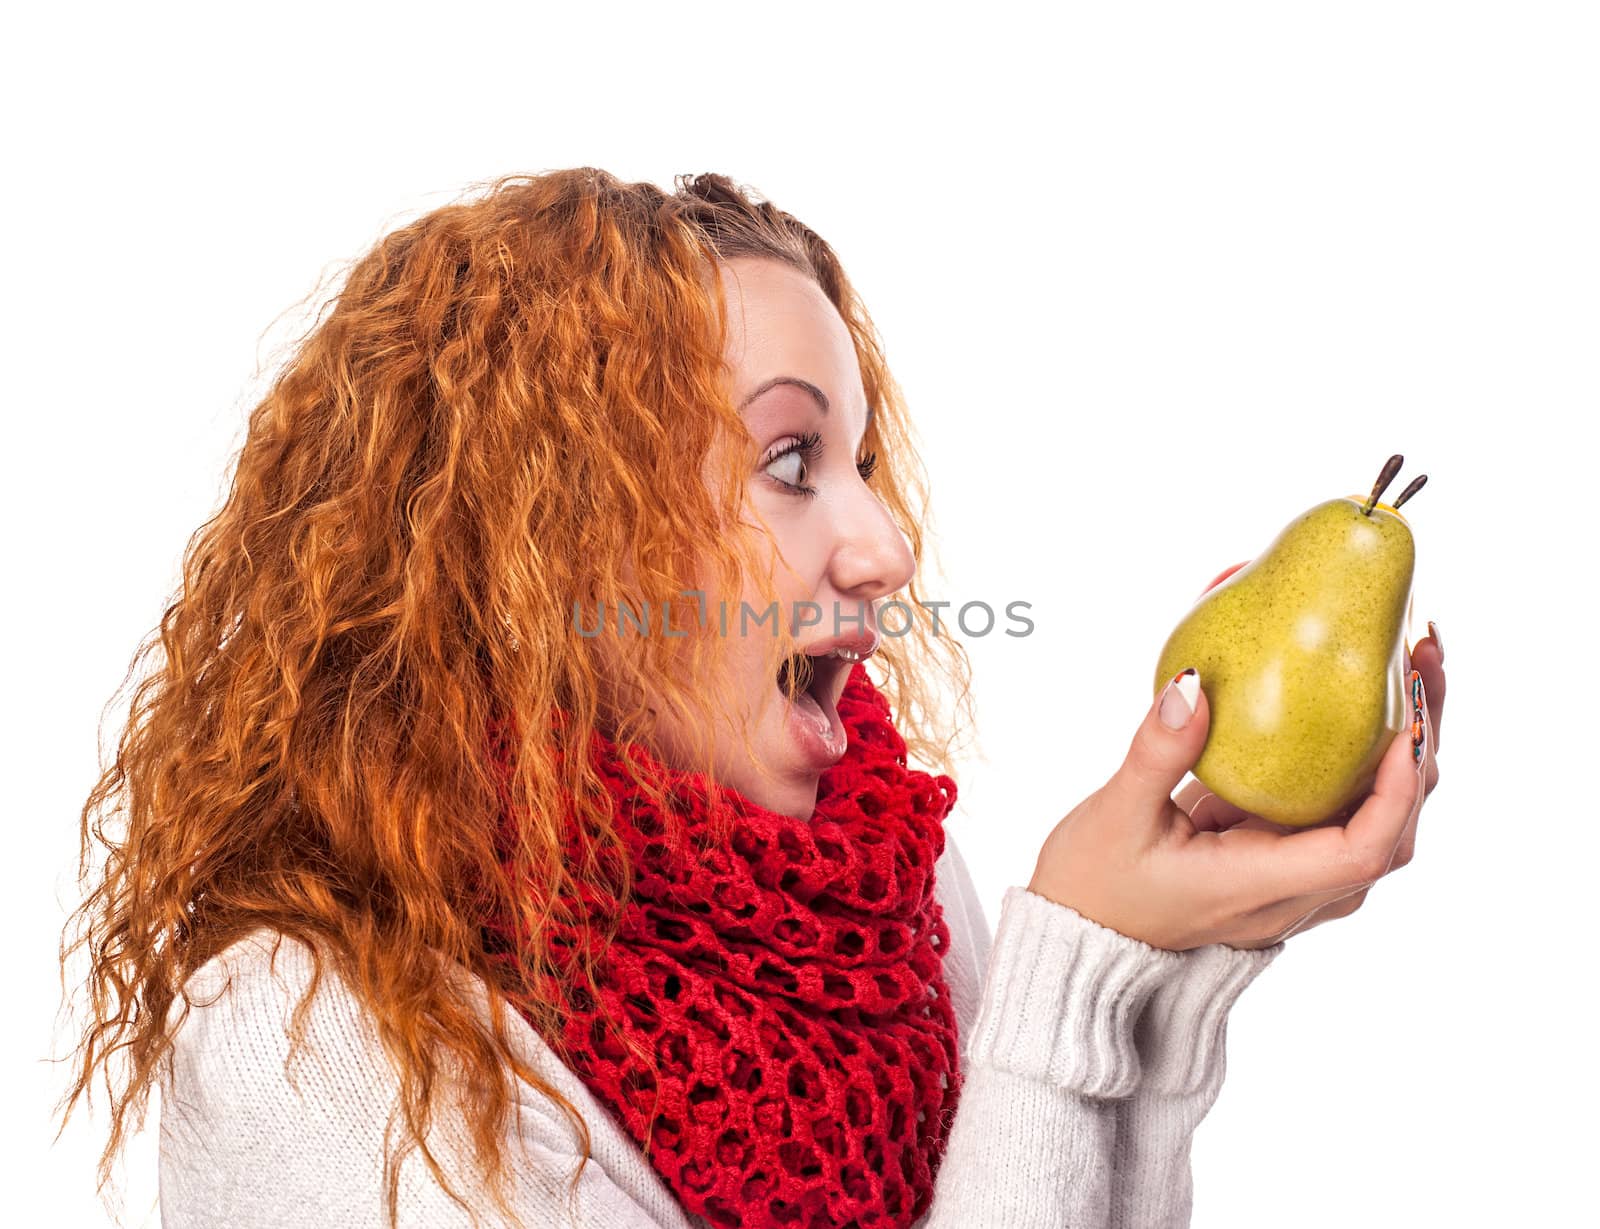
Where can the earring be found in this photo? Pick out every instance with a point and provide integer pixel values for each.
(512, 635)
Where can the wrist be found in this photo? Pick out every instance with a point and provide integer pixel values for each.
(1057, 890)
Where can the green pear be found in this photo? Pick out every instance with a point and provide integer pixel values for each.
(1303, 657)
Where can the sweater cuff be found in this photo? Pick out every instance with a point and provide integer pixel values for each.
(1181, 1034)
(1061, 997)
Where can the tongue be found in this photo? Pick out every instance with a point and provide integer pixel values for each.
(807, 704)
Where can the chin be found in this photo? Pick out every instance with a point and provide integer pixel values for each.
(794, 796)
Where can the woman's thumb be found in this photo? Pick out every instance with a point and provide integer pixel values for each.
(1167, 744)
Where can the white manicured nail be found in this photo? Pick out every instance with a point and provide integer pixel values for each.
(1179, 699)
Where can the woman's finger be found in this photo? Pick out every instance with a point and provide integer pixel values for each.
(1407, 846)
(1221, 576)
(1214, 814)
(1296, 907)
(1206, 811)
(1427, 658)
(1293, 919)
(1323, 859)
(1209, 812)
(1343, 906)
(1190, 794)
(1406, 849)
(1306, 909)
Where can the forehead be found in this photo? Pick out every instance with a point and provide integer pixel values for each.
(781, 323)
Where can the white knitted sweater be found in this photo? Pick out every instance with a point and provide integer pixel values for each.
(1089, 1059)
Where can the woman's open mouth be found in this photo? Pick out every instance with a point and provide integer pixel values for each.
(810, 684)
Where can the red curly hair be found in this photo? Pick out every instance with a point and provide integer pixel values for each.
(497, 418)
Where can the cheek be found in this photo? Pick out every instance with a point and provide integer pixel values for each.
(804, 548)
(755, 681)
(798, 560)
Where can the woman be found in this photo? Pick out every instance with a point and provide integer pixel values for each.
(527, 666)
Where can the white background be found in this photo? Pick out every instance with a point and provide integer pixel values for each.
(1156, 278)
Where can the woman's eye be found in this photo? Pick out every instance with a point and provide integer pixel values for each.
(790, 468)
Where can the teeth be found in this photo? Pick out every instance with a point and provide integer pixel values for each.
(842, 655)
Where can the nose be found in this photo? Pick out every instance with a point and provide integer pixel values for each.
(871, 557)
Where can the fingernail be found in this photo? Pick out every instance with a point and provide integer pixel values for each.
(1433, 631)
(1419, 733)
(1179, 698)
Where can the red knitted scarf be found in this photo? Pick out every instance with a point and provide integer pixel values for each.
(790, 986)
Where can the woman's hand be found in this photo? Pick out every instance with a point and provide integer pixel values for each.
(1210, 813)
(1182, 873)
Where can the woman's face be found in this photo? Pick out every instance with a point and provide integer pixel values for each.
(799, 388)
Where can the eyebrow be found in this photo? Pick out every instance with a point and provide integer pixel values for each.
(817, 395)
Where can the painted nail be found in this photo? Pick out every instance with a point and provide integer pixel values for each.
(1433, 631)
(1419, 733)
(1179, 698)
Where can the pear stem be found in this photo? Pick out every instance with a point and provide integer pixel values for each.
(1412, 489)
(1391, 467)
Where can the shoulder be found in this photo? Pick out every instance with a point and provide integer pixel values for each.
(243, 968)
(248, 1141)
(232, 1039)
(266, 1032)
(249, 981)
(254, 1131)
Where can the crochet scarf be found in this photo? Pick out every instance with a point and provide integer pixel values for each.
(789, 985)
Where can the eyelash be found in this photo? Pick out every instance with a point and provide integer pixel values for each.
(808, 446)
